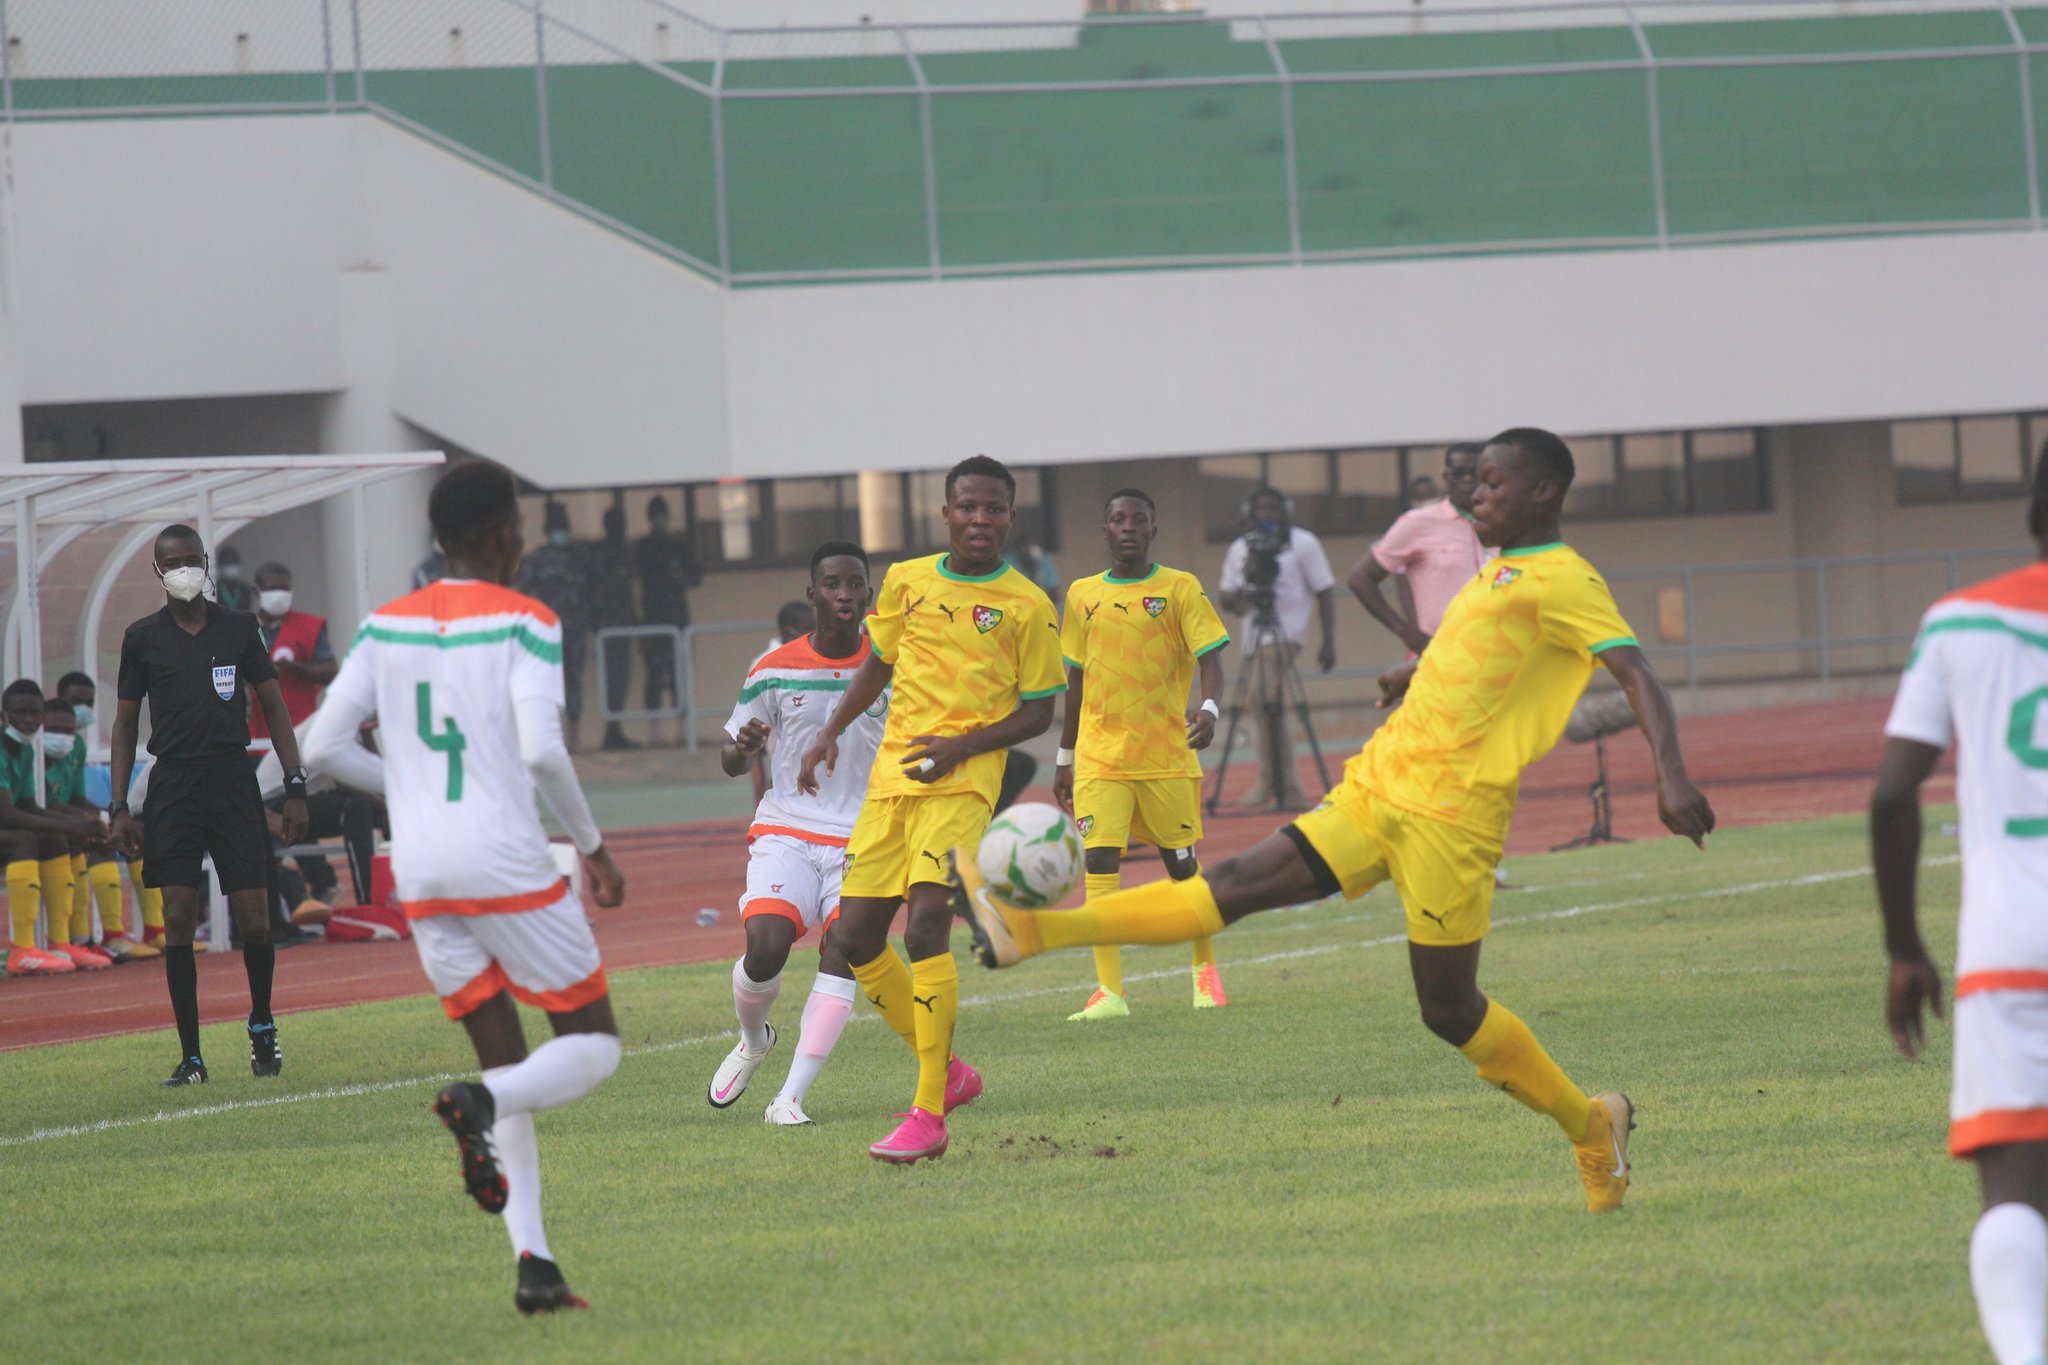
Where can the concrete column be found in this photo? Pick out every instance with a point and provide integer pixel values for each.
(11, 440)
(1841, 486)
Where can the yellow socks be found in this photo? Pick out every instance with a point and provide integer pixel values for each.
(1157, 912)
(935, 997)
(81, 901)
(1205, 952)
(149, 899)
(886, 984)
(58, 888)
(24, 882)
(1109, 958)
(105, 881)
(1508, 1056)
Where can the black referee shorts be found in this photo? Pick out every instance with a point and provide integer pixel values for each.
(193, 810)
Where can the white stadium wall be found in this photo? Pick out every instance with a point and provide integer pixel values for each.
(188, 257)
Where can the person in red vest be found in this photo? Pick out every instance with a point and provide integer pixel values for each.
(299, 647)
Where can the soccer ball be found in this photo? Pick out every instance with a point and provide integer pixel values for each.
(1031, 855)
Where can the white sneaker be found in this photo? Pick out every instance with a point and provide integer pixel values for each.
(729, 1082)
(787, 1114)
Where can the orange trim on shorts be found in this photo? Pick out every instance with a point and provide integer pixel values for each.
(770, 905)
(2022, 979)
(830, 840)
(482, 987)
(1996, 1128)
(574, 997)
(487, 905)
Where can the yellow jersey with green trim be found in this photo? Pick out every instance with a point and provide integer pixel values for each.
(1494, 689)
(1135, 641)
(966, 650)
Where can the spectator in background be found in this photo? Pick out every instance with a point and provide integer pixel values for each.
(1298, 575)
(609, 574)
(1035, 564)
(553, 572)
(305, 662)
(103, 870)
(1422, 490)
(1433, 549)
(667, 564)
(230, 589)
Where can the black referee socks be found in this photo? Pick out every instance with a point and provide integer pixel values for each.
(182, 973)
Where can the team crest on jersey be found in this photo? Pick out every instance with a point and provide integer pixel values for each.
(224, 681)
(1505, 575)
(1154, 605)
(1086, 824)
(987, 619)
(880, 707)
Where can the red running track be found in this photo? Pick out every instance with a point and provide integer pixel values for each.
(1758, 767)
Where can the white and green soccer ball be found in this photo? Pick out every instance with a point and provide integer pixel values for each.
(1031, 855)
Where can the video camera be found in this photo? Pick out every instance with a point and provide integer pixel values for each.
(1264, 543)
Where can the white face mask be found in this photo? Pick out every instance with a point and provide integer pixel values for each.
(18, 737)
(54, 744)
(231, 573)
(275, 601)
(185, 584)
(83, 716)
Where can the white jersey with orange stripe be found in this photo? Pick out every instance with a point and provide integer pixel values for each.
(1978, 679)
(793, 689)
(444, 670)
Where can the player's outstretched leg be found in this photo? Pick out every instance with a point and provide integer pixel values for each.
(756, 982)
(825, 1014)
(1208, 978)
(1508, 1057)
(1108, 1002)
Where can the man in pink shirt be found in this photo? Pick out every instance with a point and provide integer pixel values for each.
(1433, 549)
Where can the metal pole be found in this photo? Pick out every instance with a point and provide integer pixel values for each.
(686, 685)
(359, 527)
(2019, 39)
(1692, 635)
(1656, 125)
(355, 26)
(30, 630)
(6, 66)
(931, 160)
(1292, 166)
(1820, 614)
(718, 172)
(540, 95)
(327, 48)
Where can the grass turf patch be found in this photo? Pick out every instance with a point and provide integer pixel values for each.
(1305, 1174)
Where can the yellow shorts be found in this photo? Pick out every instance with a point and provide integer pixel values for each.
(1444, 874)
(899, 841)
(1112, 812)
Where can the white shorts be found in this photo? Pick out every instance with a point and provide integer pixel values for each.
(2000, 1093)
(546, 957)
(793, 878)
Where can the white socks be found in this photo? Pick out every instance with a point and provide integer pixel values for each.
(751, 1001)
(562, 1069)
(519, 1158)
(2009, 1271)
(825, 1016)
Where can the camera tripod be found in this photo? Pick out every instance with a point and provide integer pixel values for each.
(1266, 634)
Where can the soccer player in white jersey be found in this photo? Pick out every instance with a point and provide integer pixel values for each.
(1978, 679)
(465, 678)
(797, 843)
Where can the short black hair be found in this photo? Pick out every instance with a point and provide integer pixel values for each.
(1266, 490)
(554, 516)
(1471, 448)
(1548, 456)
(228, 555)
(833, 549)
(615, 520)
(794, 613)
(76, 679)
(469, 501)
(21, 687)
(177, 530)
(1140, 494)
(985, 466)
(53, 706)
(657, 503)
(271, 566)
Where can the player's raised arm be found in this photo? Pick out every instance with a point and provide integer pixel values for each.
(1682, 806)
(1914, 983)
(861, 692)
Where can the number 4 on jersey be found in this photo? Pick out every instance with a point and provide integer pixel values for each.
(447, 740)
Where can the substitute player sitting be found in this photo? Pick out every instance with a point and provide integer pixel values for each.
(1426, 803)
(1127, 771)
(465, 679)
(796, 847)
(1978, 679)
(972, 649)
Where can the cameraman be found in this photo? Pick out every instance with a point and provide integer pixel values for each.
(1277, 569)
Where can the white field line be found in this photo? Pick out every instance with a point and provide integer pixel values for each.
(1315, 950)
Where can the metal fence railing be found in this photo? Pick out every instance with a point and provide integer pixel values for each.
(760, 156)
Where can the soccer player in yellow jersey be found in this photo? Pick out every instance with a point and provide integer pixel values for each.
(1133, 638)
(971, 651)
(1426, 803)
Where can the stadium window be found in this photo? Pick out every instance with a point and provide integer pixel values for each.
(1958, 459)
(1227, 480)
(1650, 478)
(1668, 474)
(1304, 475)
(801, 514)
(1594, 492)
(1727, 471)
(1372, 488)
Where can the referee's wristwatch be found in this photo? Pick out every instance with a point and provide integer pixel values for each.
(295, 784)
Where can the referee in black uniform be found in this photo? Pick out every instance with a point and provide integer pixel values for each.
(197, 661)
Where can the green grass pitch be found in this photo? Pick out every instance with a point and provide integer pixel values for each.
(1305, 1175)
